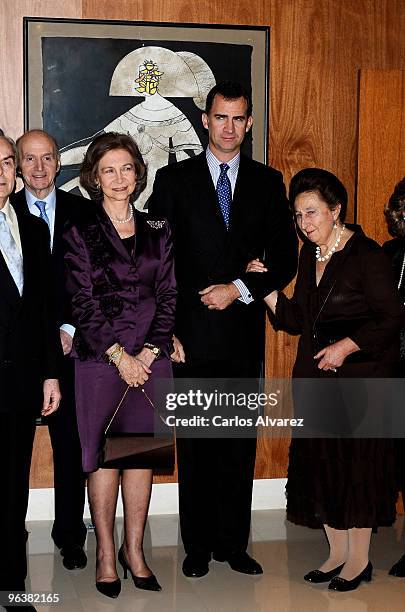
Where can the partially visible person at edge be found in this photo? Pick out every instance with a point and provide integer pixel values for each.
(30, 356)
(38, 165)
(344, 281)
(121, 279)
(395, 249)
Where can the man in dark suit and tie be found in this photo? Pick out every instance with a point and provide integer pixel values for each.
(29, 364)
(38, 164)
(225, 210)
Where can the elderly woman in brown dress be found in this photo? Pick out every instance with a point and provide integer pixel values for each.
(345, 280)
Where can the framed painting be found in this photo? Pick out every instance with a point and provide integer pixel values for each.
(149, 80)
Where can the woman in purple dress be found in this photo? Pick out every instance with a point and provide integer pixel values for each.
(121, 280)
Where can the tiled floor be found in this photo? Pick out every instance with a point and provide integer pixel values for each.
(285, 551)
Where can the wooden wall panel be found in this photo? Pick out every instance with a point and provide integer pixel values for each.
(11, 58)
(381, 145)
(41, 475)
(317, 50)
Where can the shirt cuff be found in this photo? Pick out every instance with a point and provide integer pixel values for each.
(69, 329)
(245, 295)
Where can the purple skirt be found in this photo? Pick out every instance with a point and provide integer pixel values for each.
(99, 390)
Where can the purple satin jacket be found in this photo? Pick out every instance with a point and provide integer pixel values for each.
(117, 297)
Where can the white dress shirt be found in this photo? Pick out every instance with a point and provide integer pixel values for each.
(12, 222)
(50, 206)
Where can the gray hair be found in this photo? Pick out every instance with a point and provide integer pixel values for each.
(10, 142)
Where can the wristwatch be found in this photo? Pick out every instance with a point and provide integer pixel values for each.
(152, 347)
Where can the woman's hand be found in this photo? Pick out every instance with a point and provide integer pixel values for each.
(256, 266)
(271, 301)
(178, 355)
(146, 357)
(132, 370)
(332, 357)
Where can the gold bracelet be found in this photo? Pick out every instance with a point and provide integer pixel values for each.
(116, 356)
(118, 360)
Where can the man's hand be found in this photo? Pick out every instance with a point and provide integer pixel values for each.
(66, 341)
(178, 355)
(219, 297)
(52, 396)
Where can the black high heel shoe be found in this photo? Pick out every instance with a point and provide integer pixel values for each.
(109, 589)
(341, 584)
(398, 569)
(148, 584)
(317, 576)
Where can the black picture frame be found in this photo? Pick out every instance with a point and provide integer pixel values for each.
(80, 76)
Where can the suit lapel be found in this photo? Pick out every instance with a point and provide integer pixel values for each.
(206, 202)
(8, 287)
(240, 197)
(28, 248)
(60, 219)
(111, 233)
(140, 220)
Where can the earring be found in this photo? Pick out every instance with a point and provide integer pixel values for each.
(335, 226)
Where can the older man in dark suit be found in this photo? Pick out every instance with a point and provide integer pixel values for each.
(38, 161)
(29, 358)
(225, 210)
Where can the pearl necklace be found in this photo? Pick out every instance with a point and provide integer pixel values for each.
(320, 257)
(131, 214)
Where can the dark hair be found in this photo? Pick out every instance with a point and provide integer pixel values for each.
(320, 181)
(230, 90)
(395, 210)
(98, 148)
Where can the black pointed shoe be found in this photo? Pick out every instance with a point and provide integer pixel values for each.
(109, 589)
(241, 562)
(398, 569)
(74, 557)
(317, 576)
(195, 566)
(147, 583)
(342, 585)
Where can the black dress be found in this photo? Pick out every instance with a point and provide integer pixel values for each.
(395, 249)
(343, 482)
